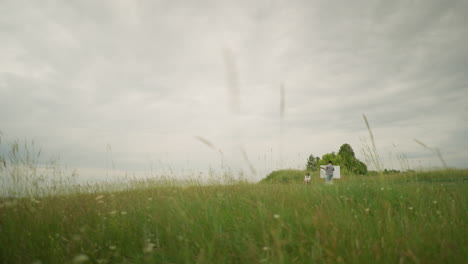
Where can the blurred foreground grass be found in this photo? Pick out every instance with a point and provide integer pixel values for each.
(404, 218)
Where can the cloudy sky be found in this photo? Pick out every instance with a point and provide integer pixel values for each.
(138, 81)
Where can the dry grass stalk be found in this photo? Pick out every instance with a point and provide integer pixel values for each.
(436, 151)
(206, 142)
(372, 153)
(246, 159)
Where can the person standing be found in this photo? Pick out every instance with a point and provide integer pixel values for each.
(329, 169)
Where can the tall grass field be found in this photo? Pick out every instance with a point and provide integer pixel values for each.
(415, 217)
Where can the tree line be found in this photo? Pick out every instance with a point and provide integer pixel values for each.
(345, 158)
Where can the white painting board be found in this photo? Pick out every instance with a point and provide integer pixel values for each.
(336, 173)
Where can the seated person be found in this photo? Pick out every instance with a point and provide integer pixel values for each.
(307, 178)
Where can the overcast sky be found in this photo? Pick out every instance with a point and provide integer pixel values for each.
(148, 77)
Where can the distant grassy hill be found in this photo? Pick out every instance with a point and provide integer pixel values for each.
(285, 176)
(441, 176)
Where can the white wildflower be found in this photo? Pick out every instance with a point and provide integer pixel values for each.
(276, 216)
(148, 248)
(81, 258)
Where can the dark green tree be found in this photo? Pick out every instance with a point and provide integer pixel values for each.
(349, 161)
(312, 163)
(346, 150)
(360, 168)
(346, 159)
(335, 159)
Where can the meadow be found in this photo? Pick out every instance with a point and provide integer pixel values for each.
(414, 217)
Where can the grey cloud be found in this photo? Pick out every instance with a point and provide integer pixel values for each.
(148, 76)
